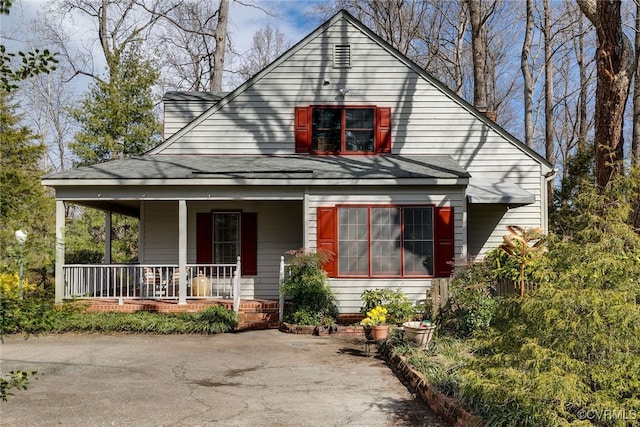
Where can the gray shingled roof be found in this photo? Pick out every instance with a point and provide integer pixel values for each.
(166, 167)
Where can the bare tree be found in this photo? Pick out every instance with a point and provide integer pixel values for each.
(220, 36)
(583, 123)
(398, 22)
(479, 49)
(635, 141)
(527, 75)
(268, 43)
(615, 66)
(549, 128)
(119, 24)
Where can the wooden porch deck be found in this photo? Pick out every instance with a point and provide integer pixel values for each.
(253, 314)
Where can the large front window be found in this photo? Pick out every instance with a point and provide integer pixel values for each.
(343, 129)
(385, 241)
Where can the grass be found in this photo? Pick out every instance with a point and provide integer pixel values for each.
(439, 364)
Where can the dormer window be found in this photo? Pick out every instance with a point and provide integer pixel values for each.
(343, 129)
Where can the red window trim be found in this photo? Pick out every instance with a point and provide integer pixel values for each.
(443, 239)
(381, 129)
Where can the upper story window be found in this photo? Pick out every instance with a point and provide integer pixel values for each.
(343, 129)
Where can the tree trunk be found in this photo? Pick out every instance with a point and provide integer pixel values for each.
(614, 65)
(479, 49)
(583, 125)
(218, 53)
(528, 76)
(549, 127)
(635, 143)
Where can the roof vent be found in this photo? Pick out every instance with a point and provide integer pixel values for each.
(341, 56)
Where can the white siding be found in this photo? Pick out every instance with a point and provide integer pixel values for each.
(178, 113)
(279, 230)
(349, 290)
(425, 120)
(160, 234)
(259, 119)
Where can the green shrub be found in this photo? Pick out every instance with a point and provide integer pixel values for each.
(307, 289)
(470, 306)
(568, 352)
(34, 315)
(83, 256)
(217, 319)
(399, 308)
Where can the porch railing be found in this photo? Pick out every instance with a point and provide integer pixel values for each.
(151, 281)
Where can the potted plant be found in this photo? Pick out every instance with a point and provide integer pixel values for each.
(375, 324)
(419, 332)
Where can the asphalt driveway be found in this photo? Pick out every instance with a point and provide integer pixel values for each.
(257, 378)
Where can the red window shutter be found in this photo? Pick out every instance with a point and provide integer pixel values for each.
(327, 237)
(383, 130)
(249, 244)
(204, 238)
(444, 241)
(303, 129)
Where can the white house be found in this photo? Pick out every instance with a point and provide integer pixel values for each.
(343, 144)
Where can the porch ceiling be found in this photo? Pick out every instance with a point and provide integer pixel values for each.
(125, 207)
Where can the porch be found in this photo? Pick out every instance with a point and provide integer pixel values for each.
(130, 288)
(125, 282)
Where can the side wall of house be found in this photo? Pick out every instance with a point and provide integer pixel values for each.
(178, 113)
(279, 230)
(349, 290)
(425, 120)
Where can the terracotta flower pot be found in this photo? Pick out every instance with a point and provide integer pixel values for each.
(380, 332)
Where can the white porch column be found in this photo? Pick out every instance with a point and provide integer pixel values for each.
(306, 242)
(60, 231)
(107, 237)
(182, 251)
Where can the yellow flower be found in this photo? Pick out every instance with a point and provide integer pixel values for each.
(377, 316)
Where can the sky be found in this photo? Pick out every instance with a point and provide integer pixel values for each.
(293, 20)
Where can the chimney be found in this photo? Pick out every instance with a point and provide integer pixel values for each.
(491, 115)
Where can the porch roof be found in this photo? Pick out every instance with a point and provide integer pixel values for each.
(497, 192)
(192, 170)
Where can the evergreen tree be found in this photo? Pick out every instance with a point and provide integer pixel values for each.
(569, 352)
(116, 117)
(24, 203)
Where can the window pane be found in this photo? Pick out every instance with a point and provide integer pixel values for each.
(226, 238)
(359, 129)
(359, 140)
(353, 243)
(418, 241)
(359, 118)
(385, 241)
(326, 133)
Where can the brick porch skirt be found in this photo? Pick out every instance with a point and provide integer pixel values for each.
(253, 314)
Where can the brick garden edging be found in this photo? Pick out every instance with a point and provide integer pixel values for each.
(446, 407)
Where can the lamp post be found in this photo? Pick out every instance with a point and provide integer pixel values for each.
(21, 237)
